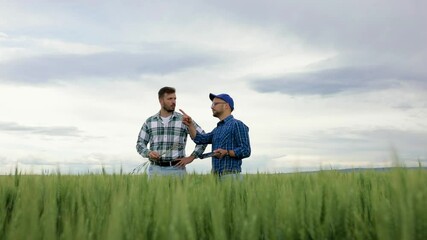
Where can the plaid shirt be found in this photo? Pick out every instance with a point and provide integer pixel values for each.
(229, 134)
(168, 140)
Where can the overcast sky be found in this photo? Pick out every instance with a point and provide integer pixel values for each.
(321, 84)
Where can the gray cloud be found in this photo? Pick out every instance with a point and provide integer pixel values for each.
(376, 33)
(408, 144)
(376, 25)
(332, 81)
(48, 68)
(47, 131)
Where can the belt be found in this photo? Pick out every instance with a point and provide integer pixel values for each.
(165, 163)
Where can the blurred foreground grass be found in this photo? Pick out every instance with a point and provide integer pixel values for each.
(322, 205)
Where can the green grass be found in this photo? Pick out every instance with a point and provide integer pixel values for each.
(323, 205)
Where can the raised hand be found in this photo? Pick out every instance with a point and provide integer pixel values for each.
(186, 120)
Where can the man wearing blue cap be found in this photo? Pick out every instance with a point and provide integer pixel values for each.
(230, 138)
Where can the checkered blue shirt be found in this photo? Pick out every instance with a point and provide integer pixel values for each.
(168, 140)
(229, 134)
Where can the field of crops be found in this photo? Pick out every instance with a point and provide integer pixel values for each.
(323, 205)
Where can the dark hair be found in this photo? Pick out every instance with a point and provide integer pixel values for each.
(167, 90)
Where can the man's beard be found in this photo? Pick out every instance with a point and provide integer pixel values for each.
(169, 110)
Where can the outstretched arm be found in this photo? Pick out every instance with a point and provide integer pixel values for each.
(186, 120)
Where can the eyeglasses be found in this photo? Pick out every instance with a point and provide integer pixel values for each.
(216, 103)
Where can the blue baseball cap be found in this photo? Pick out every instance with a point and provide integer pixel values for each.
(224, 97)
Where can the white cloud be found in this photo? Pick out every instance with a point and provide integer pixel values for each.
(70, 47)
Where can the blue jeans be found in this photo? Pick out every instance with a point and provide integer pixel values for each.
(154, 170)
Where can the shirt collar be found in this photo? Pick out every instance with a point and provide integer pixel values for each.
(174, 115)
(227, 119)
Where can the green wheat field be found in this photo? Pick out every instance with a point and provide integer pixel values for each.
(322, 205)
